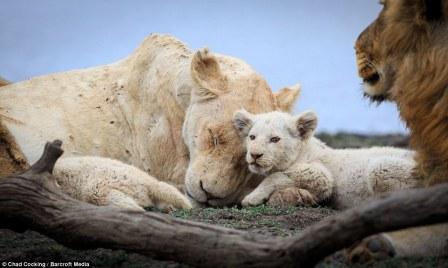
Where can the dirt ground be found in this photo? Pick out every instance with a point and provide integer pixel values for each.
(33, 247)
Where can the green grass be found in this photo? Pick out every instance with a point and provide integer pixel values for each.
(262, 219)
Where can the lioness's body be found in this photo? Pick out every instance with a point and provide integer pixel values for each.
(160, 109)
(121, 111)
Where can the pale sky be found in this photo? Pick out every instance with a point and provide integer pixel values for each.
(304, 41)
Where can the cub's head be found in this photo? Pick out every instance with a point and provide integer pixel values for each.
(273, 140)
(403, 29)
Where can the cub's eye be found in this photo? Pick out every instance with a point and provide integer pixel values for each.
(252, 137)
(275, 139)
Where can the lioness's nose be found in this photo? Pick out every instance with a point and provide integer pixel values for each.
(256, 156)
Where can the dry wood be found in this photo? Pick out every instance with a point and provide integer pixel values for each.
(32, 201)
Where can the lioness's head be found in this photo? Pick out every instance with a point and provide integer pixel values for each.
(274, 140)
(402, 28)
(217, 173)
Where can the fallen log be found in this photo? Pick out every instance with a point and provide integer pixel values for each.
(32, 201)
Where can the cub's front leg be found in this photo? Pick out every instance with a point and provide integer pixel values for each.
(264, 190)
(313, 183)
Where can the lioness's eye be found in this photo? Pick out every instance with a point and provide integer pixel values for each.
(275, 139)
(252, 137)
(215, 141)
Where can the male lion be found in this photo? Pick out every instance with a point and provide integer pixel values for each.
(163, 109)
(402, 57)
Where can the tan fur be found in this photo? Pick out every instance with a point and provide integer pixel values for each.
(160, 109)
(407, 47)
(12, 159)
(410, 52)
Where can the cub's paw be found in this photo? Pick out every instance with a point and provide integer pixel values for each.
(371, 249)
(292, 196)
(252, 200)
(168, 198)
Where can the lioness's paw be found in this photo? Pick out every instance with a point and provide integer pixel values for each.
(370, 249)
(168, 198)
(292, 196)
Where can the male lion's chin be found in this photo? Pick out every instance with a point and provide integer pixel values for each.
(377, 98)
(375, 93)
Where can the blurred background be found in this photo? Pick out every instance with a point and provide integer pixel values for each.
(304, 41)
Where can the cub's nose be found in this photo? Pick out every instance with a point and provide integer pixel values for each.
(256, 156)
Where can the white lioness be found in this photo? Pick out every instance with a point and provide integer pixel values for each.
(164, 109)
(302, 169)
(103, 181)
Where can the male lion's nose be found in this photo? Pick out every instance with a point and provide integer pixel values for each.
(256, 156)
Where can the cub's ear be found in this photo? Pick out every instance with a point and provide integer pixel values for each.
(305, 124)
(243, 121)
(286, 97)
(207, 74)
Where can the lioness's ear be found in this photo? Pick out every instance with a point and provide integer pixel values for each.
(286, 97)
(207, 74)
(305, 123)
(242, 121)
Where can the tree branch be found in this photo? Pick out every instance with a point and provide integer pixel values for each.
(28, 202)
(46, 162)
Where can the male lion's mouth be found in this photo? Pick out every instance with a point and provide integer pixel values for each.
(372, 79)
(372, 90)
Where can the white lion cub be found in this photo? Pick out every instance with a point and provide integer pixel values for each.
(300, 169)
(103, 181)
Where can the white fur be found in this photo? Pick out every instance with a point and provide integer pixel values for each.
(103, 181)
(346, 177)
(151, 110)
